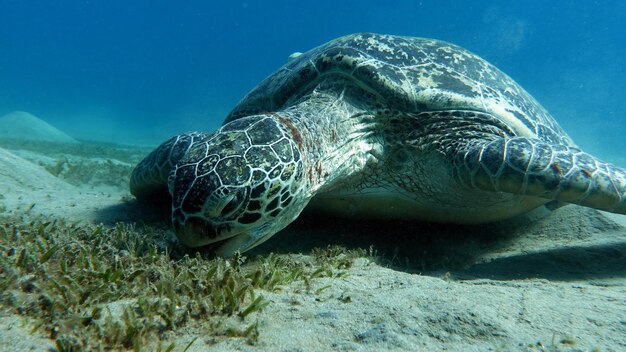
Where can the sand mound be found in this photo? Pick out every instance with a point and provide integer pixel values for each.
(24, 126)
(23, 183)
(27, 188)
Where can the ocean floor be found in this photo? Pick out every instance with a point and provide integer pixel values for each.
(546, 281)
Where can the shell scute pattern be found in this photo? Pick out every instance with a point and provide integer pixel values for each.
(411, 75)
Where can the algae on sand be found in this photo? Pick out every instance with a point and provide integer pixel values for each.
(91, 287)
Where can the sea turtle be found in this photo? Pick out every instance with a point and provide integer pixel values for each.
(376, 126)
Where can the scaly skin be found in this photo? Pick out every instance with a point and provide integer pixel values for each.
(530, 167)
(232, 183)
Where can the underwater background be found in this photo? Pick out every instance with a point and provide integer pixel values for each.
(137, 72)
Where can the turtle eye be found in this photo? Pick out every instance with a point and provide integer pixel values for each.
(231, 206)
(237, 200)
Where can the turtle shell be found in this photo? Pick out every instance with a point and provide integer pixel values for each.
(406, 74)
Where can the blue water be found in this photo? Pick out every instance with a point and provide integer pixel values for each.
(143, 70)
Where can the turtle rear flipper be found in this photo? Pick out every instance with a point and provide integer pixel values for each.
(531, 167)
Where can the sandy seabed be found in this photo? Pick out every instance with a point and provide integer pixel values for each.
(547, 281)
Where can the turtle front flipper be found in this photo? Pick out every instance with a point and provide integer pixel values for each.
(532, 167)
(148, 181)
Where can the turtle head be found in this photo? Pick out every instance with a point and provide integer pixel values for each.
(239, 186)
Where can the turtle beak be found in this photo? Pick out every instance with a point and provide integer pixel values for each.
(242, 242)
(197, 232)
